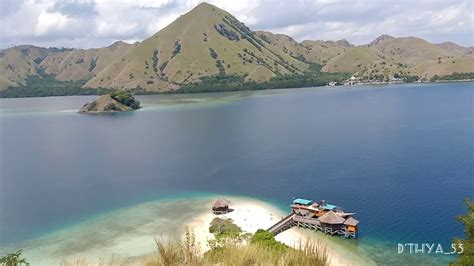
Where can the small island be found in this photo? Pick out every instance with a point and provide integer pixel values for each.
(122, 101)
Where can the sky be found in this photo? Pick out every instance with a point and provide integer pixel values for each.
(98, 23)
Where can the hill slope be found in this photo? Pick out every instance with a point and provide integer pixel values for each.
(79, 64)
(17, 64)
(208, 44)
(387, 56)
(206, 41)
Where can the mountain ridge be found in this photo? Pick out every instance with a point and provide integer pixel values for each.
(210, 42)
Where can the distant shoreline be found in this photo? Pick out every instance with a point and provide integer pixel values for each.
(416, 82)
(141, 93)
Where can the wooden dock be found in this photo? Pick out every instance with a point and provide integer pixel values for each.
(283, 225)
(309, 223)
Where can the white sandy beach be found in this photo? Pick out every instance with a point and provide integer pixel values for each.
(130, 232)
(251, 215)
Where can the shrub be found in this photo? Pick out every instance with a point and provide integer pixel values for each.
(223, 228)
(92, 64)
(467, 257)
(13, 259)
(126, 98)
(267, 239)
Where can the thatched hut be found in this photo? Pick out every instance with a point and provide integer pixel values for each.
(331, 217)
(331, 222)
(221, 206)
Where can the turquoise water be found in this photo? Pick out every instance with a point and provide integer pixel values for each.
(400, 156)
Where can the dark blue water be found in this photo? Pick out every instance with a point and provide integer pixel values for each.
(400, 156)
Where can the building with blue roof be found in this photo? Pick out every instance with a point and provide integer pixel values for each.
(302, 201)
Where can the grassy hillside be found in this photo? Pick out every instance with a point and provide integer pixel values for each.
(206, 41)
(456, 49)
(229, 248)
(208, 49)
(352, 60)
(387, 57)
(79, 64)
(20, 62)
(318, 52)
(289, 46)
(15, 67)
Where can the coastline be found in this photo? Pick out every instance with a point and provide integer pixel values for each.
(252, 214)
(129, 233)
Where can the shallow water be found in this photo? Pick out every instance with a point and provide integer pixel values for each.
(400, 156)
(122, 233)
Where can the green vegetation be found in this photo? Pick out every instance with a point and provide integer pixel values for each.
(252, 254)
(177, 253)
(92, 64)
(176, 50)
(214, 84)
(224, 228)
(263, 249)
(186, 252)
(213, 53)
(13, 259)
(229, 34)
(410, 78)
(154, 59)
(467, 257)
(266, 239)
(126, 98)
(454, 76)
(237, 83)
(46, 85)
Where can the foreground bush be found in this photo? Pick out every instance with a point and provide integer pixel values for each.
(262, 250)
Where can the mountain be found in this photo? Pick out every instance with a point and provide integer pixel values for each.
(79, 64)
(456, 49)
(20, 62)
(405, 56)
(17, 63)
(208, 45)
(206, 41)
(351, 60)
(380, 39)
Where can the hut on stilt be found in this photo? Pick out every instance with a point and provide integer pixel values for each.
(331, 222)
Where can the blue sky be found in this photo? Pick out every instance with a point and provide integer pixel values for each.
(96, 23)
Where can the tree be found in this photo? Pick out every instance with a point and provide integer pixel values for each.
(467, 257)
(13, 259)
(267, 239)
(126, 98)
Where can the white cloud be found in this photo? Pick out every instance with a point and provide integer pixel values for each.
(50, 22)
(94, 23)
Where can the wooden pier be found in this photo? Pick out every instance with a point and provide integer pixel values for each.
(283, 225)
(328, 222)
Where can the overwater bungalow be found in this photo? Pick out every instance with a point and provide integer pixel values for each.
(328, 218)
(331, 222)
(220, 206)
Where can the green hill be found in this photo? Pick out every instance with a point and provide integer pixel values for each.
(79, 64)
(206, 41)
(209, 46)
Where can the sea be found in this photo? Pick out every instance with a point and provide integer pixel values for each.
(400, 156)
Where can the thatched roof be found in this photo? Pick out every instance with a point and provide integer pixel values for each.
(351, 221)
(221, 203)
(331, 217)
